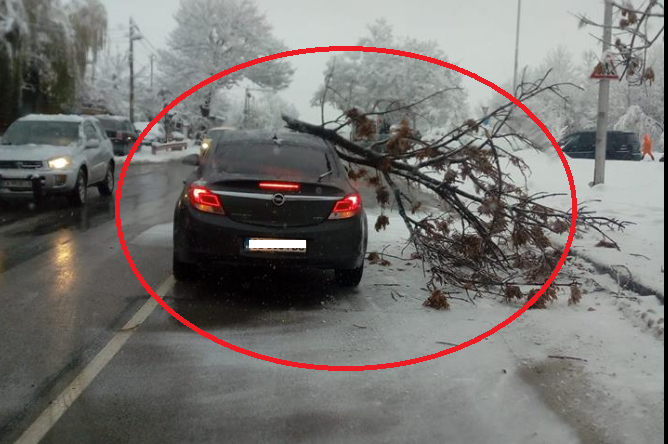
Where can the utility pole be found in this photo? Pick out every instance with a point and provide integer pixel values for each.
(517, 47)
(132, 71)
(603, 103)
(247, 102)
(152, 61)
(247, 98)
(133, 37)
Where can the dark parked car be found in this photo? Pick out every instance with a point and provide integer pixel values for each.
(120, 131)
(261, 199)
(621, 146)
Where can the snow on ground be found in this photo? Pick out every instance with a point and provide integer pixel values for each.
(145, 155)
(591, 373)
(634, 192)
(598, 366)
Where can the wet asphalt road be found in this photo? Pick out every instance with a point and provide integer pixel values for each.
(66, 289)
(65, 286)
(67, 292)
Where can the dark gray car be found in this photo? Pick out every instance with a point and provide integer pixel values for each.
(274, 201)
(621, 146)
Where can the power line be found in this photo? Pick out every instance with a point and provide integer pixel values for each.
(145, 39)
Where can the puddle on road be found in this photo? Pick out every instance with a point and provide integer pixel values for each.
(53, 216)
(244, 296)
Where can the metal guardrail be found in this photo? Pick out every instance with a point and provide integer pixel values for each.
(170, 146)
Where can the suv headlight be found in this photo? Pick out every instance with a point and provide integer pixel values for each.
(59, 163)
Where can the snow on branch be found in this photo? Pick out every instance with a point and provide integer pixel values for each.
(489, 234)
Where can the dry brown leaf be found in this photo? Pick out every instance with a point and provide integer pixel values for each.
(437, 300)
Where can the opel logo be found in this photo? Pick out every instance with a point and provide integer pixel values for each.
(278, 200)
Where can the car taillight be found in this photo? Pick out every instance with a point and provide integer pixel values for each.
(280, 186)
(204, 200)
(347, 207)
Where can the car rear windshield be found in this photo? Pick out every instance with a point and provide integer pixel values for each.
(112, 125)
(267, 159)
(42, 133)
(620, 139)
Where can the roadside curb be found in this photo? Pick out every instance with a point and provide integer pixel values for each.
(624, 279)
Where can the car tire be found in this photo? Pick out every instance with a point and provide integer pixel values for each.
(184, 271)
(79, 195)
(106, 187)
(349, 278)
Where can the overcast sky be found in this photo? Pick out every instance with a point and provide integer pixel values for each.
(478, 35)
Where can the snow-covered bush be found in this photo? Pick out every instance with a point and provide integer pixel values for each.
(635, 120)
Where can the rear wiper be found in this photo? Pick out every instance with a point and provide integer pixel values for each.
(327, 174)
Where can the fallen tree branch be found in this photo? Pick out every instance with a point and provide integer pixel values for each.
(567, 358)
(492, 233)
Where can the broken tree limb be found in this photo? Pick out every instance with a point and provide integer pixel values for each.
(491, 231)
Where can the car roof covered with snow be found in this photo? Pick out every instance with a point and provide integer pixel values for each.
(70, 118)
(110, 117)
(223, 128)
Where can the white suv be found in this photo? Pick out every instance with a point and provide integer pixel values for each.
(56, 154)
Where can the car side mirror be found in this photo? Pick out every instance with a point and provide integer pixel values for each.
(192, 160)
(92, 143)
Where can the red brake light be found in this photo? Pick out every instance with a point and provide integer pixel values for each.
(204, 200)
(280, 186)
(347, 207)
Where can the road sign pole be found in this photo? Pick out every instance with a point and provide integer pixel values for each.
(603, 103)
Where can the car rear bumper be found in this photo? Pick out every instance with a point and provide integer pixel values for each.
(36, 182)
(629, 157)
(208, 239)
(121, 148)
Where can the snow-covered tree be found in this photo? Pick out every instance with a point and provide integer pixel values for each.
(637, 27)
(89, 22)
(112, 83)
(47, 55)
(559, 112)
(43, 50)
(264, 111)
(636, 121)
(13, 31)
(111, 90)
(639, 109)
(213, 35)
(380, 83)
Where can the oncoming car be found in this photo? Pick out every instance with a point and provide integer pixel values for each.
(56, 154)
(212, 137)
(260, 199)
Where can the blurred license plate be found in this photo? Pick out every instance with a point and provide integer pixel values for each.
(16, 184)
(276, 245)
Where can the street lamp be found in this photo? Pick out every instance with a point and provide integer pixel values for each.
(517, 47)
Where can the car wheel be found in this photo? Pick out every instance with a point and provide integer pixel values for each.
(79, 195)
(183, 271)
(349, 278)
(106, 188)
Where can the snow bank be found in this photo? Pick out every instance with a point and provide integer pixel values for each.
(145, 155)
(634, 192)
